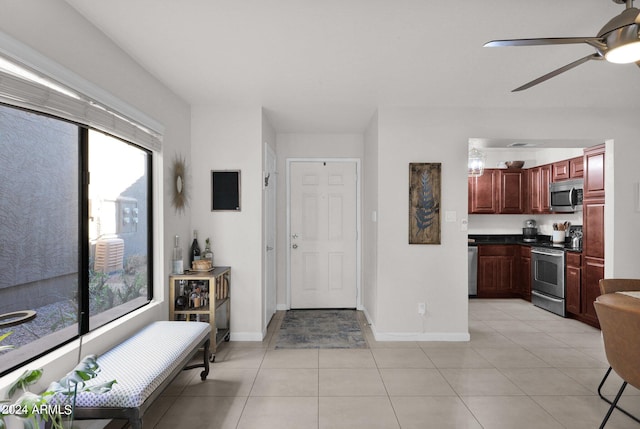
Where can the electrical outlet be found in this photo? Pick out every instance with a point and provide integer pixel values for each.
(422, 308)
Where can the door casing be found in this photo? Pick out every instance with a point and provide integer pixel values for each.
(356, 161)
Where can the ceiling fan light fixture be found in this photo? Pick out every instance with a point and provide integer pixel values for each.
(624, 45)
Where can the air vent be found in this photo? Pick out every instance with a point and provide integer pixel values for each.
(521, 144)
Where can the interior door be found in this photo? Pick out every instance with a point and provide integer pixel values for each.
(323, 234)
(269, 235)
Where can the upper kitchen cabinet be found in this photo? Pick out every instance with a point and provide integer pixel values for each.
(512, 192)
(539, 179)
(483, 192)
(498, 191)
(594, 172)
(576, 167)
(567, 169)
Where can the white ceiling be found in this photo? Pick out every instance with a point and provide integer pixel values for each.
(326, 65)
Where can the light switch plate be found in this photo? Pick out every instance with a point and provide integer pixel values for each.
(450, 216)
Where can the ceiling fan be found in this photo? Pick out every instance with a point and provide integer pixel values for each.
(617, 42)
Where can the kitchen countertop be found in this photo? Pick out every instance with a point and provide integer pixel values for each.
(543, 241)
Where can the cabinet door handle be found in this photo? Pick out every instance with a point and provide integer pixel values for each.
(295, 246)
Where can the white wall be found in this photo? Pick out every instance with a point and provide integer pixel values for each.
(231, 139)
(57, 31)
(304, 146)
(408, 274)
(370, 221)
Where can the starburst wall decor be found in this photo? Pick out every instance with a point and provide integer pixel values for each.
(179, 182)
(424, 203)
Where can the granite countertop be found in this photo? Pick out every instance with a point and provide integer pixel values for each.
(542, 241)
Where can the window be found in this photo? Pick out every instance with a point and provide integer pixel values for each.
(73, 255)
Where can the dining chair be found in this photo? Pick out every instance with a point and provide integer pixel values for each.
(620, 324)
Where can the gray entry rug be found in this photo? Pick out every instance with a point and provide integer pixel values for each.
(320, 329)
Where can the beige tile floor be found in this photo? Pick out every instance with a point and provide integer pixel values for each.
(523, 368)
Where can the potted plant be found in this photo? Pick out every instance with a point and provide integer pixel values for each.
(58, 401)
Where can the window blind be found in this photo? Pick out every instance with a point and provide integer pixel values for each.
(79, 101)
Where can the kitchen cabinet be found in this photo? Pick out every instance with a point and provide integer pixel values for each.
(573, 283)
(512, 192)
(483, 193)
(498, 191)
(593, 227)
(593, 230)
(594, 172)
(539, 179)
(576, 167)
(593, 269)
(567, 169)
(496, 271)
(524, 266)
(560, 170)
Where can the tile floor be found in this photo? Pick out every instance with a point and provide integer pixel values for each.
(523, 368)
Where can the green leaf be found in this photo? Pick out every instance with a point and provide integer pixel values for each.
(100, 388)
(27, 378)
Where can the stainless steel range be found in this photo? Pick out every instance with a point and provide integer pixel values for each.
(547, 279)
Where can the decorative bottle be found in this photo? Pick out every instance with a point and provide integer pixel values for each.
(178, 265)
(195, 248)
(208, 254)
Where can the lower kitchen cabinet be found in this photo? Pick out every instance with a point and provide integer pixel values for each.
(593, 272)
(524, 266)
(573, 283)
(496, 271)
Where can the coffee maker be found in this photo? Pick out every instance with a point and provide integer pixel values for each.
(530, 231)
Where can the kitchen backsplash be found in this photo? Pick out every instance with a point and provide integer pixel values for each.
(513, 224)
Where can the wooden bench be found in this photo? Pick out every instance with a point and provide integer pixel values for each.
(143, 366)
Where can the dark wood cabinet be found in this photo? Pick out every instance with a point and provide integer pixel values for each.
(498, 191)
(593, 230)
(593, 227)
(593, 271)
(576, 167)
(560, 170)
(594, 172)
(573, 283)
(539, 179)
(483, 193)
(496, 271)
(512, 192)
(567, 169)
(524, 266)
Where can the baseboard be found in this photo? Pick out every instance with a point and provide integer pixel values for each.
(282, 307)
(415, 336)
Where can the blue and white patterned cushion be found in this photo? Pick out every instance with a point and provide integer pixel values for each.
(141, 363)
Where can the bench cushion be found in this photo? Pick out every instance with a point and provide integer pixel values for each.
(142, 362)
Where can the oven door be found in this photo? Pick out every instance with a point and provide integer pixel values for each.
(547, 272)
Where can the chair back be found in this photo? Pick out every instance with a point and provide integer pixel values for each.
(620, 324)
(618, 285)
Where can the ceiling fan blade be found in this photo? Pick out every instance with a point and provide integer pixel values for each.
(558, 71)
(544, 41)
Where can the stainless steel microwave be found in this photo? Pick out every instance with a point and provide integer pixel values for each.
(566, 196)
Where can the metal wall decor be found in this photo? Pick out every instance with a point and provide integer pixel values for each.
(424, 203)
(179, 190)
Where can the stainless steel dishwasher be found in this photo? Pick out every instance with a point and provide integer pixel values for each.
(473, 270)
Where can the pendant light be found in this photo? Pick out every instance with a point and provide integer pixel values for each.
(476, 162)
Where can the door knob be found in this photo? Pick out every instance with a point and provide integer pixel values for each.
(295, 246)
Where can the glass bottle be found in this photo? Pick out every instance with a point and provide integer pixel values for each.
(195, 248)
(178, 265)
(208, 254)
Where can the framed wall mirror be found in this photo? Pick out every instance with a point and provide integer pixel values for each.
(225, 190)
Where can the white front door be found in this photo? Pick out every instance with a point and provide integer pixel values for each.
(323, 234)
